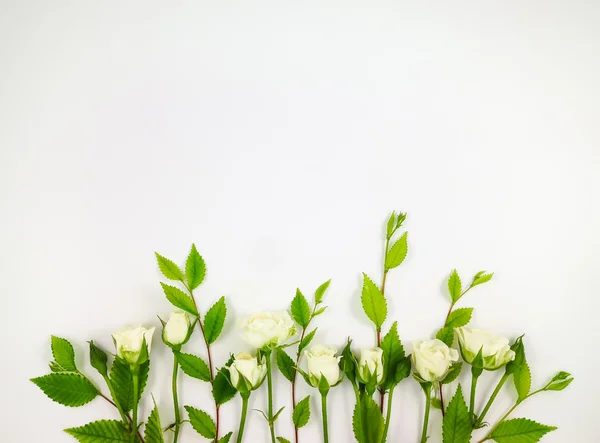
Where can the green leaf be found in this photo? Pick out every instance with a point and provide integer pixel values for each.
(202, 423)
(179, 299)
(389, 230)
(397, 253)
(373, 302)
(453, 373)
(436, 403)
(153, 432)
(559, 382)
(446, 335)
(402, 370)
(193, 366)
(522, 381)
(98, 359)
(285, 364)
(225, 438)
(64, 355)
(103, 431)
(195, 268)
(456, 427)
(300, 309)
(348, 362)
(301, 413)
(459, 318)
(367, 421)
(283, 440)
(393, 355)
(454, 286)
(320, 311)
(122, 380)
(306, 340)
(214, 320)
(222, 390)
(320, 292)
(520, 430)
(481, 277)
(168, 268)
(67, 388)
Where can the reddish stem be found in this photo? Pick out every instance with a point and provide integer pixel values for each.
(126, 415)
(442, 400)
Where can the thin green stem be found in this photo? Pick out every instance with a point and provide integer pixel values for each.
(388, 415)
(510, 411)
(127, 417)
(426, 417)
(472, 402)
(136, 394)
(270, 393)
(324, 412)
(113, 394)
(176, 399)
(491, 400)
(245, 398)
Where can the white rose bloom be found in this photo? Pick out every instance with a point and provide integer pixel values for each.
(176, 330)
(247, 365)
(129, 341)
(432, 359)
(370, 363)
(495, 350)
(267, 328)
(322, 361)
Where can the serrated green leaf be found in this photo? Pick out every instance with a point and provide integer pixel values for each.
(193, 366)
(300, 309)
(402, 370)
(459, 318)
(103, 431)
(179, 299)
(67, 388)
(168, 268)
(559, 382)
(226, 438)
(453, 373)
(397, 253)
(481, 277)
(357, 427)
(520, 430)
(202, 423)
(393, 355)
(63, 353)
(320, 292)
(454, 286)
(320, 311)
(222, 390)
(98, 359)
(283, 440)
(436, 403)
(301, 413)
(306, 340)
(214, 320)
(389, 230)
(446, 335)
(195, 268)
(285, 364)
(522, 380)
(373, 302)
(456, 427)
(153, 432)
(122, 380)
(367, 421)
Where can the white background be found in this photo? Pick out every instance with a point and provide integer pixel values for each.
(278, 136)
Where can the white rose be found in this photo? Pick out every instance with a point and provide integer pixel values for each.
(495, 350)
(371, 364)
(432, 359)
(268, 328)
(129, 342)
(177, 329)
(247, 365)
(322, 361)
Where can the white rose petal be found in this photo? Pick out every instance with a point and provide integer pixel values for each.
(321, 361)
(247, 365)
(495, 350)
(432, 359)
(370, 363)
(267, 328)
(177, 328)
(129, 341)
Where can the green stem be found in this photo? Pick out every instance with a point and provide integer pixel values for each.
(245, 398)
(510, 411)
(491, 400)
(113, 394)
(135, 372)
(472, 402)
(388, 415)
(176, 399)
(324, 411)
(270, 392)
(426, 417)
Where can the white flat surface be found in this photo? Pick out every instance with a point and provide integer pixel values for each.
(278, 136)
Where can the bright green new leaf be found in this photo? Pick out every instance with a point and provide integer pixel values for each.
(103, 431)
(436, 403)
(522, 380)
(214, 320)
(520, 430)
(283, 440)
(195, 268)
(320, 311)
(397, 253)
(453, 373)
(226, 438)
(456, 427)
(285, 364)
(446, 335)
(393, 355)
(391, 224)
(64, 355)
(301, 413)
(202, 423)
(168, 268)
(222, 390)
(193, 366)
(179, 299)
(67, 388)
(454, 286)
(300, 309)
(121, 378)
(481, 277)
(373, 302)
(98, 359)
(306, 340)
(459, 318)
(559, 382)
(320, 292)
(153, 432)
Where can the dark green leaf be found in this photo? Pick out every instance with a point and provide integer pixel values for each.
(402, 370)
(348, 362)
(179, 299)
(459, 318)
(453, 373)
(214, 320)
(397, 253)
(373, 302)
(153, 432)
(193, 366)
(446, 335)
(367, 421)
(520, 430)
(300, 309)
(306, 340)
(98, 359)
(320, 292)
(393, 355)
(168, 268)
(222, 390)
(454, 286)
(195, 268)
(122, 380)
(103, 431)
(63, 353)
(285, 364)
(67, 388)
(522, 381)
(301, 413)
(456, 427)
(202, 423)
